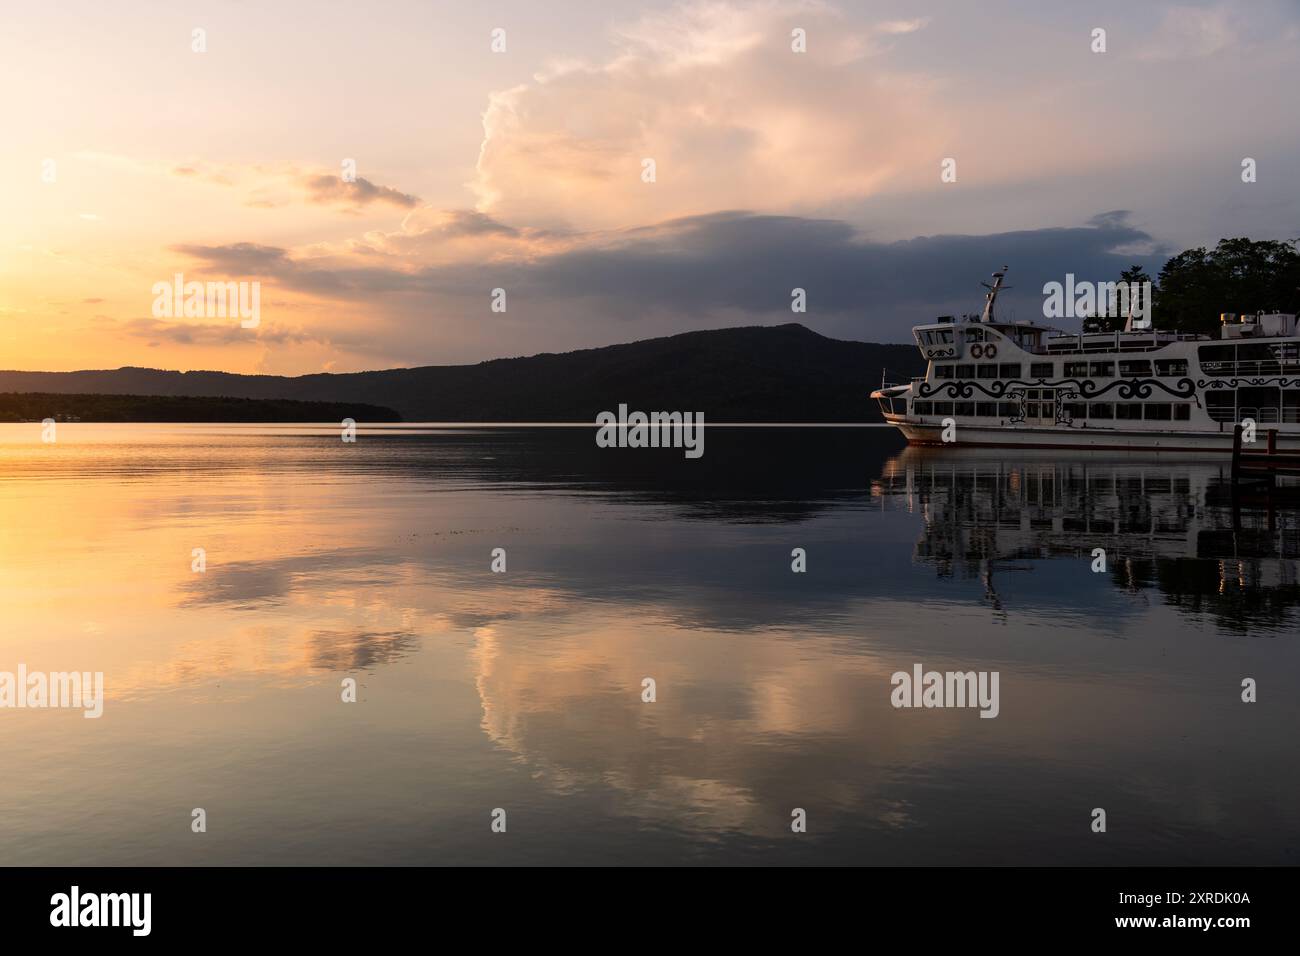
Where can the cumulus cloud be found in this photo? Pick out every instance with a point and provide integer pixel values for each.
(715, 96)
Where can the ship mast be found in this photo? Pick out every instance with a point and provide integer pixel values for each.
(991, 296)
(1132, 323)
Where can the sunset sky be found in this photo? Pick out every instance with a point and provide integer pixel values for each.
(522, 169)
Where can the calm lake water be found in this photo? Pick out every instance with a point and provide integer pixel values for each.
(522, 690)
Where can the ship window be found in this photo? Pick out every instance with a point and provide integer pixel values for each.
(1157, 411)
(1031, 393)
(943, 371)
(1131, 411)
(1102, 369)
(1041, 370)
(1134, 368)
(965, 371)
(987, 371)
(1182, 412)
(964, 408)
(1255, 352)
(1009, 370)
(1009, 409)
(921, 408)
(943, 408)
(974, 335)
(1076, 369)
(987, 409)
(1170, 367)
(1217, 359)
(1101, 410)
(1221, 406)
(945, 336)
(1031, 410)
(1076, 410)
(1257, 360)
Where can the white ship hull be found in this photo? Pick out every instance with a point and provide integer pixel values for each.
(1022, 436)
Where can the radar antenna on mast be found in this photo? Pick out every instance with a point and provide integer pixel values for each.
(991, 296)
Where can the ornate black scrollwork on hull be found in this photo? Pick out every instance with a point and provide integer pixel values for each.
(958, 389)
(1062, 396)
(1128, 388)
(1278, 381)
(1017, 396)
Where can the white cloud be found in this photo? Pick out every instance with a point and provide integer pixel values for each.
(712, 93)
(897, 27)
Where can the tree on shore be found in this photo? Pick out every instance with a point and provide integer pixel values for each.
(1193, 288)
(1108, 322)
(1239, 275)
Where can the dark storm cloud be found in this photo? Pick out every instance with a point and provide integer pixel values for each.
(212, 333)
(737, 264)
(247, 260)
(750, 263)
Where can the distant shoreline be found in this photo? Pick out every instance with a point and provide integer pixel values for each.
(95, 408)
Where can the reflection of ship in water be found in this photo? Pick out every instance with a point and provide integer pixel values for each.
(1163, 523)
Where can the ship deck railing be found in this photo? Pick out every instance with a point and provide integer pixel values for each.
(1227, 369)
(1269, 415)
(1085, 343)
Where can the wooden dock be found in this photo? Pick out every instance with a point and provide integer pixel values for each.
(1254, 479)
(1266, 465)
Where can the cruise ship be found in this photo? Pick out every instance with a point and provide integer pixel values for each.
(1016, 383)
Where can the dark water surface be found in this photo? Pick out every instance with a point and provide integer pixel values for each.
(522, 691)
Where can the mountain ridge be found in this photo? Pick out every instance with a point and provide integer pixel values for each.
(784, 373)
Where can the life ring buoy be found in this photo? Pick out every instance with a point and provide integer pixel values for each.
(990, 350)
(977, 351)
